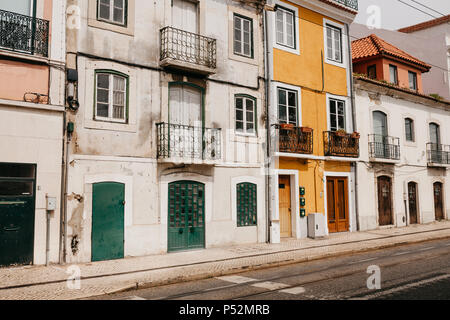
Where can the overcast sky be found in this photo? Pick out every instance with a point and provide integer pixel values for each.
(395, 15)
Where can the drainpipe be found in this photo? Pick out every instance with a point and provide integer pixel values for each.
(267, 94)
(62, 206)
(355, 126)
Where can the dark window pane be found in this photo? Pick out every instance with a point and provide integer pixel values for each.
(292, 98)
(102, 110)
(282, 97)
(16, 188)
(103, 81)
(17, 170)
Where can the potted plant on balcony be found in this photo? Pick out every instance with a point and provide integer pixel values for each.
(286, 126)
(341, 133)
(305, 130)
(356, 135)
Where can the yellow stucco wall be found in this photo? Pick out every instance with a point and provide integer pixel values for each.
(305, 71)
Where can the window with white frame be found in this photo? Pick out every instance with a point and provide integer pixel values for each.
(243, 32)
(285, 27)
(337, 115)
(334, 43)
(287, 106)
(245, 107)
(113, 11)
(111, 97)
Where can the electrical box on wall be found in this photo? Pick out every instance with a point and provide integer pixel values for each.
(302, 202)
(51, 204)
(316, 225)
(302, 191)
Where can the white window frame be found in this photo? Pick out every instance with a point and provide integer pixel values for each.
(415, 80)
(111, 13)
(281, 87)
(348, 114)
(337, 115)
(250, 45)
(110, 117)
(344, 44)
(244, 98)
(273, 17)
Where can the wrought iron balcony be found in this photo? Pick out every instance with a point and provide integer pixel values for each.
(352, 4)
(183, 142)
(438, 154)
(290, 139)
(384, 147)
(341, 144)
(23, 34)
(186, 50)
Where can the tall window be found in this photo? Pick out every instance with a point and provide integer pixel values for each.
(337, 115)
(285, 27)
(409, 130)
(334, 43)
(412, 76)
(245, 114)
(287, 106)
(393, 75)
(372, 71)
(113, 11)
(246, 200)
(243, 31)
(435, 135)
(111, 97)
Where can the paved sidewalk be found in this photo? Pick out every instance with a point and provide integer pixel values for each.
(97, 278)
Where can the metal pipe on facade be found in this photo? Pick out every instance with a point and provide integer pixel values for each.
(355, 126)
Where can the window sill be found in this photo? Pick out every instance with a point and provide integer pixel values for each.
(110, 126)
(335, 63)
(126, 30)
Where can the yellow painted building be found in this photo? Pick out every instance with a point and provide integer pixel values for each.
(313, 143)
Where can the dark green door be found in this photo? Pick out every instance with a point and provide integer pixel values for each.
(17, 205)
(186, 225)
(108, 202)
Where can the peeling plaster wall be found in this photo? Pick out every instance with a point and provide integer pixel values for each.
(127, 152)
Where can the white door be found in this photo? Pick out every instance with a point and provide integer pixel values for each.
(18, 6)
(185, 118)
(184, 15)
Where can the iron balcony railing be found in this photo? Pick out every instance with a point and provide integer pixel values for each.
(384, 147)
(188, 47)
(290, 139)
(341, 144)
(24, 34)
(438, 153)
(352, 4)
(188, 142)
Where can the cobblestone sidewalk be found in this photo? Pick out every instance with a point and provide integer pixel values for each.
(40, 282)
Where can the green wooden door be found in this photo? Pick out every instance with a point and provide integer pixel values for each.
(108, 203)
(186, 225)
(16, 222)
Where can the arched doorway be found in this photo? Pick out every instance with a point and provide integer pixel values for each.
(186, 216)
(385, 201)
(438, 201)
(412, 202)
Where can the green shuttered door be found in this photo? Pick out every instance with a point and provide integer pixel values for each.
(108, 221)
(186, 225)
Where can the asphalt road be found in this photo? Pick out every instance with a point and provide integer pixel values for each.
(420, 271)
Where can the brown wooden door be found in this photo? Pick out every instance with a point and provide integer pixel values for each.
(337, 204)
(438, 205)
(412, 196)
(385, 201)
(285, 206)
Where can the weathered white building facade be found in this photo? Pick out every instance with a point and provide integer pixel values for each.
(167, 151)
(32, 60)
(403, 177)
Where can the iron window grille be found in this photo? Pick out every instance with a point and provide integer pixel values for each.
(352, 4)
(438, 153)
(188, 47)
(291, 139)
(24, 34)
(384, 147)
(188, 142)
(246, 200)
(340, 144)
